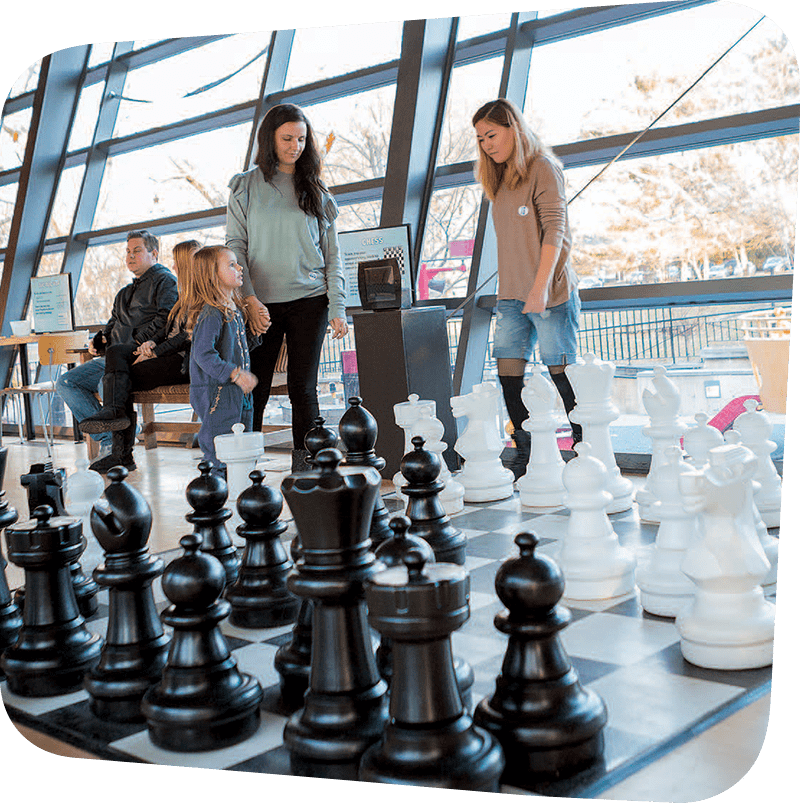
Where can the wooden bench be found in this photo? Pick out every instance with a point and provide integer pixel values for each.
(179, 394)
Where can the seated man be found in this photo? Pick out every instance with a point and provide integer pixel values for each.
(139, 314)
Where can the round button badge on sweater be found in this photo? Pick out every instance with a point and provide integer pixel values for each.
(522, 211)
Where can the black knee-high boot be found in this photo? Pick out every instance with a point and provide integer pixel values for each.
(564, 388)
(112, 417)
(122, 443)
(512, 395)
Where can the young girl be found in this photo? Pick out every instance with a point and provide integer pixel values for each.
(219, 368)
(537, 295)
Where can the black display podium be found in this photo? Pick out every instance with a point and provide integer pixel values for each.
(400, 352)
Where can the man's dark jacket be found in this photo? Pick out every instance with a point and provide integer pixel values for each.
(141, 308)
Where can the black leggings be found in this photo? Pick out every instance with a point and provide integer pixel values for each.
(304, 323)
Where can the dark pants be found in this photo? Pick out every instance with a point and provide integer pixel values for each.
(304, 323)
(148, 374)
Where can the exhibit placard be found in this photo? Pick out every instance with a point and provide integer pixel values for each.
(51, 300)
(366, 245)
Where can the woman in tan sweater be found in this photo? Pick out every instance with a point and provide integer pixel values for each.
(537, 296)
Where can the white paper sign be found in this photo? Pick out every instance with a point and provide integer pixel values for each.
(51, 299)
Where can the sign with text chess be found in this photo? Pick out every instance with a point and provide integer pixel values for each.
(368, 245)
(51, 299)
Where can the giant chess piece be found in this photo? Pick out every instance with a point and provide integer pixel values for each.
(431, 429)
(664, 588)
(54, 648)
(664, 430)
(595, 566)
(594, 411)
(769, 542)
(549, 725)
(10, 614)
(420, 468)
(343, 711)
(430, 738)
(405, 415)
(135, 647)
(239, 451)
(207, 495)
(755, 429)
(259, 597)
(729, 624)
(358, 431)
(293, 659)
(699, 440)
(542, 484)
(483, 476)
(47, 487)
(203, 701)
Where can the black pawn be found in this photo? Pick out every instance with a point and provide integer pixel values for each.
(54, 649)
(259, 597)
(430, 738)
(343, 711)
(135, 648)
(45, 486)
(358, 431)
(207, 495)
(293, 659)
(420, 468)
(550, 727)
(202, 702)
(10, 614)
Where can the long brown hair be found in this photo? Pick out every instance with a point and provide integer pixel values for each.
(182, 255)
(205, 288)
(527, 147)
(308, 185)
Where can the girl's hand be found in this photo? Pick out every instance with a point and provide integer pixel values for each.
(145, 350)
(257, 315)
(339, 327)
(244, 380)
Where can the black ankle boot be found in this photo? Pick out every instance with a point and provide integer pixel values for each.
(116, 390)
(122, 442)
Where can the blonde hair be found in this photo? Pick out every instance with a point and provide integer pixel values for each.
(527, 147)
(205, 288)
(182, 254)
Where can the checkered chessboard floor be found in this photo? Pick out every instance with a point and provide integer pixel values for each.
(656, 700)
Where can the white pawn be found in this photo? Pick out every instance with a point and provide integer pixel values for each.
(753, 518)
(240, 451)
(591, 380)
(594, 565)
(664, 588)
(700, 439)
(82, 489)
(405, 414)
(755, 429)
(542, 484)
(729, 624)
(665, 430)
(483, 475)
(431, 429)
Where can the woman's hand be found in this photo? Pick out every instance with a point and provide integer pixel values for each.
(257, 315)
(339, 327)
(244, 379)
(536, 301)
(145, 350)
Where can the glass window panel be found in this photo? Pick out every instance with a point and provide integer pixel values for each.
(182, 176)
(357, 128)
(470, 87)
(359, 216)
(477, 25)
(700, 214)
(69, 185)
(8, 197)
(165, 84)
(49, 265)
(13, 138)
(447, 246)
(86, 116)
(27, 80)
(100, 52)
(615, 80)
(320, 53)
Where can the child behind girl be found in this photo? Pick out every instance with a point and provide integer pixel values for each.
(219, 368)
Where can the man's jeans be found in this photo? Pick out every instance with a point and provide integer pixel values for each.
(77, 388)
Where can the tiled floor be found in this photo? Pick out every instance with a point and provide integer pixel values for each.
(675, 732)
